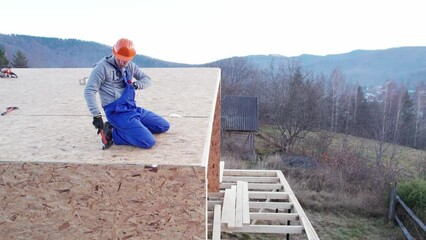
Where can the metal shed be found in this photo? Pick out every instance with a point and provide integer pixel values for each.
(239, 121)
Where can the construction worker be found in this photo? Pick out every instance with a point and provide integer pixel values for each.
(112, 77)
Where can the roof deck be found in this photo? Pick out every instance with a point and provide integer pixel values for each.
(53, 123)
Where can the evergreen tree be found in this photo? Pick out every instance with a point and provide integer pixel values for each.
(20, 60)
(3, 59)
(408, 120)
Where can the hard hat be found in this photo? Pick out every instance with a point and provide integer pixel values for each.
(123, 50)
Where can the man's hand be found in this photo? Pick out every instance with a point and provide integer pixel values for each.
(98, 123)
(135, 85)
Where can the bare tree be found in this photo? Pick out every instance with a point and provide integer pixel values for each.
(236, 73)
(386, 120)
(294, 98)
(337, 82)
(420, 102)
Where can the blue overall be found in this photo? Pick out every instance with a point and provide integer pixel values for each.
(133, 125)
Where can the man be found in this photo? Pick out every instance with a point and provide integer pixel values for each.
(112, 77)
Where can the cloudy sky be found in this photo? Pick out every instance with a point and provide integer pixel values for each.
(201, 31)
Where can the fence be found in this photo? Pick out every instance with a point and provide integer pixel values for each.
(394, 200)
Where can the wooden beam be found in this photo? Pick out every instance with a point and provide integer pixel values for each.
(275, 216)
(222, 167)
(404, 229)
(253, 173)
(271, 205)
(268, 195)
(283, 229)
(213, 171)
(254, 195)
(412, 215)
(246, 206)
(256, 186)
(212, 203)
(216, 222)
(250, 179)
(239, 205)
(228, 211)
(309, 229)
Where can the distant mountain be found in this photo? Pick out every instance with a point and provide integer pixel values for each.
(43, 52)
(366, 67)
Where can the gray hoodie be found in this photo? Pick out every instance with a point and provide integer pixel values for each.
(106, 80)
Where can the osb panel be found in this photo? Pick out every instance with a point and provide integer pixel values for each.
(213, 171)
(73, 201)
(74, 140)
(53, 122)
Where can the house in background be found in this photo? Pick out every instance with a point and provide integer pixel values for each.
(58, 183)
(239, 122)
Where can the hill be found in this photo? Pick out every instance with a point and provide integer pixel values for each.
(43, 52)
(366, 67)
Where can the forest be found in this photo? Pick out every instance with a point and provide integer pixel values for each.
(295, 101)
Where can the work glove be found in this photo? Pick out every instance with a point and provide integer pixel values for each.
(135, 85)
(98, 123)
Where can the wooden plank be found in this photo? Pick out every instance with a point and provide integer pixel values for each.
(412, 215)
(213, 170)
(253, 195)
(246, 206)
(282, 229)
(222, 168)
(253, 173)
(213, 195)
(227, 206)
(268, 195)
(216, 223)
(271, 205)
(239, 205)
(211, 203)
(275, 216)
(404, 229)
(309, 229)
(250, 179)
(256, 186)
(228, 212)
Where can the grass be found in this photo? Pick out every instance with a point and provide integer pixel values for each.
(410, 160)
(343, 225)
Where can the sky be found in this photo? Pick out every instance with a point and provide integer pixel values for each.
(202, 31)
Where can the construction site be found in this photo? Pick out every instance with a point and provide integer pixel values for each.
(56, 181)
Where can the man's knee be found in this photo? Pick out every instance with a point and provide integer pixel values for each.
(165, 127)
(147, 144)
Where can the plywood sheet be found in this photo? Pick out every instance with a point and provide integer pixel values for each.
(54, 125)
(84, 201)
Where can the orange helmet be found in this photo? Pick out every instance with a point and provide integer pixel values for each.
(123, 49)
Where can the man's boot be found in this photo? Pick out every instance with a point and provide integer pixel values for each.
(108, 133)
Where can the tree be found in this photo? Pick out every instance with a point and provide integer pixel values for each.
(407, 120)
(236, 73)
(20, 60)
(357, 106)
(294, 100)
(3, 59)
(337, 86)
(420, 116)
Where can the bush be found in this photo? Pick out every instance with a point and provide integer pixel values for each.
(413, 193)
